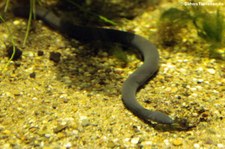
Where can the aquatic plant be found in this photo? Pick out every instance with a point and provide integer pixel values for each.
(209, 26)
(12, 43)
(170, 25)
(32, 11)
(6, 5)
(176, 16)
(32, 6)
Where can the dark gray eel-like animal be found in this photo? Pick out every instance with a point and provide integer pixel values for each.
(135, 80)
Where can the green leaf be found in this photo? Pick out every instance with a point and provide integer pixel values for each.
(175, 15)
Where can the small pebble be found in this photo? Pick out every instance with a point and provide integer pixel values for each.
(68, 145)
(33, 75)
(55, 57)
(47, 135)
(40, 53)
(16, 22)
(135, 140)
(146, 143)
(200, 81)
(167, 142)
(220, 146)
(34, 98)
(84, 121)
(17, 53)
(177, 141)
(59, 128)
(196, 145)
(111, 144)
(211, 71)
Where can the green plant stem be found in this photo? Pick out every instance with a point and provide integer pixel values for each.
(32, 10)
(6, 5)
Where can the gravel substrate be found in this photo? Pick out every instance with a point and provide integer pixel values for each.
(74, 100)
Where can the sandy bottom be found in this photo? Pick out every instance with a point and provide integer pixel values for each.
(76, 103)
